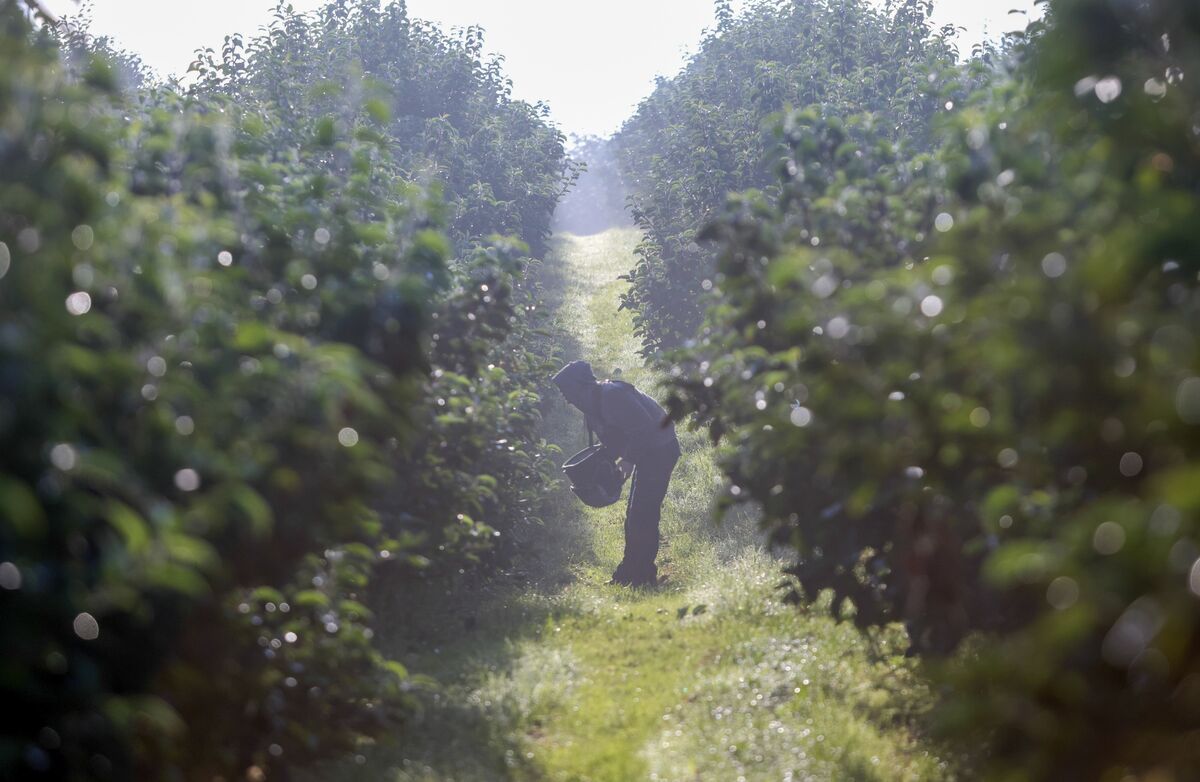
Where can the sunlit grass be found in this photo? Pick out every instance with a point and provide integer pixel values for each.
(552, 674)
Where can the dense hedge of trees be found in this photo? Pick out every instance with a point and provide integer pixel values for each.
(705, 133)
(974, 404)
(254, 339)
(449, 114)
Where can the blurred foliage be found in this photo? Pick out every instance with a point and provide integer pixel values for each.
(704, 133)
(974, 405)
(250, 358)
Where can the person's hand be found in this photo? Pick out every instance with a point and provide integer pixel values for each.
(625, 467)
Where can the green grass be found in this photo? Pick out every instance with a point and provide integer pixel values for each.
(549, 674)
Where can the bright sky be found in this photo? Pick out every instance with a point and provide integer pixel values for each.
(591, 62)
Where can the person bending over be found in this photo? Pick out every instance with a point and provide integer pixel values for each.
(636, 430)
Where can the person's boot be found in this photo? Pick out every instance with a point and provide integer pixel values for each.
(620, 576)
(645, 577)
(625, 575)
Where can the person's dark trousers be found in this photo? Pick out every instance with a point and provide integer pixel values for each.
(642, 514)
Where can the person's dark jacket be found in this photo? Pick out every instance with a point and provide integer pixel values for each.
(629, 423)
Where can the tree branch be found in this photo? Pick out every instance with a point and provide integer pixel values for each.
(40, 10)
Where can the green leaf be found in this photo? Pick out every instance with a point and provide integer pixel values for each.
(130, 525)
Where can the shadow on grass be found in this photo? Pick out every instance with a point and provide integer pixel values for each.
(454, 632)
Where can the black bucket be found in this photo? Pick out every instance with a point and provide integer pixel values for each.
(594, 476)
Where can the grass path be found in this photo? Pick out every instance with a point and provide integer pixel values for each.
(549, 674)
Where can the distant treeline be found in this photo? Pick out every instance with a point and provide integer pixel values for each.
(596, 200)
(947, 335)
(265, 339)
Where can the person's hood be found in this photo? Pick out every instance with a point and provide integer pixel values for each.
(577, 374)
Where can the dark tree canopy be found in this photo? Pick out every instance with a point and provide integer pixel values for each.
(259, 342)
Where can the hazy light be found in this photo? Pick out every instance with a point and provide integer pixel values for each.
(86, 627)
(824, 286)
(1109, 538)
(1054, 265)
(547, 57)
(1131, 464)
(187, 479)
(1108, 89)
(1062, 593)
(1187, 400)
(79, 303)
(10, 576)
(943, 275)
(82, 237)
(63, 457)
